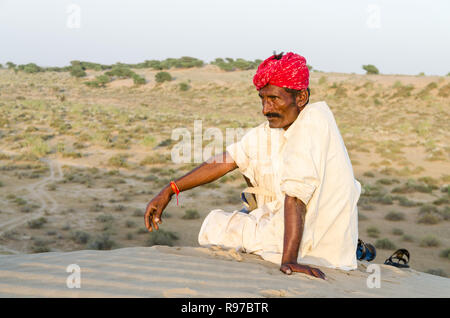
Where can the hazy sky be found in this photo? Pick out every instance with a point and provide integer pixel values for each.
(398, 36)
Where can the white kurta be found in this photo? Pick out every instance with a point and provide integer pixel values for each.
(308, 161)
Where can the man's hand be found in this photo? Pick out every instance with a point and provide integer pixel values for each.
(305, 269)
(155, 208)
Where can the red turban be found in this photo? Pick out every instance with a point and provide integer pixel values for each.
(290, 71)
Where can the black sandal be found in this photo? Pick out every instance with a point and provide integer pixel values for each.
(398, 260)
(365, 251)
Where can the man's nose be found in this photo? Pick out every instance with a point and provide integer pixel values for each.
(267, 106)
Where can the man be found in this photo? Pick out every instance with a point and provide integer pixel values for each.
(300, 173)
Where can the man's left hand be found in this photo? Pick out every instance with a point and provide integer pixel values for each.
(294, 267)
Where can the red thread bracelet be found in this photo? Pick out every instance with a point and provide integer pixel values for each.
(175, 189)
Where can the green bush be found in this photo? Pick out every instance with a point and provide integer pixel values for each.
(137, 79)
(385, 244)
(191, 215)
(102, 242)
(373, 232)
(37, 224)
(407, 238)
(161, 237)
(429, 241)
(370, 69)
(429, 218)
(105, 218)
(80, 237)
(184, 87)
(77, 71)
(397, 231)
(161, 77)
(100, 81)
(11, 65)
(394, 216)
(30, 68)
(445, 253)
(120, 72)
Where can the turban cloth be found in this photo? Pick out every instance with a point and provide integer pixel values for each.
(290, 71)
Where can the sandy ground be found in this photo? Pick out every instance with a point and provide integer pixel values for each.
(161, 271)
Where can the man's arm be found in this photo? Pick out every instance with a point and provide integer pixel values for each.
(208, 171)
(294, 222)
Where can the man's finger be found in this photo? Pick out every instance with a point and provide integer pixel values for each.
(158, 215)
(149, 217)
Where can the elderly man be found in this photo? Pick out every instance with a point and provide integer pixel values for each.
(298, 170)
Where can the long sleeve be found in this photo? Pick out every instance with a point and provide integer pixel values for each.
(305, 153)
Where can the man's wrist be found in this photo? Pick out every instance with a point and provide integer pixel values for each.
(168, 190)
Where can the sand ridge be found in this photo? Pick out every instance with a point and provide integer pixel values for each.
(162, 271)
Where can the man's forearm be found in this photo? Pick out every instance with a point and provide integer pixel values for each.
(294, 220)
(208, 171)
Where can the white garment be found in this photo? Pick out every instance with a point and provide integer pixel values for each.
(308, 161)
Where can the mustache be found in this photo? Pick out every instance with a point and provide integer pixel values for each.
(273, 115)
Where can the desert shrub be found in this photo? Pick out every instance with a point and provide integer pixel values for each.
(162, 237)
(139, 213)
(370, 69)
(437, 272)
(428, 208)
(40, 246)
(403, 201)
(130, 224)
(120, 72)
(138, 80)
(30, 68)
(191, 215)
(37, 223)
(161, 77)
(322, 80)
(397, 231)
(119, 208)
(129, 236)
(230, 64)
(10, 65)
(445, 253)
(373, 232)
(102, 242)
(407, 238)
(383, 199)
(412, 186)
(444, 91)
(118, 161)
(394, 216)
(155, 159)
(385, 244)
(104, 218)
(369, 174)
(445, 213)
(429, 241)
(429, 218)
(184, 87)
(77, 71)
(80, 237)
(100, 81)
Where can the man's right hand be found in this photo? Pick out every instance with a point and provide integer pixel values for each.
(155, 208)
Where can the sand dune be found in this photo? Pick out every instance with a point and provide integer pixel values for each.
(162, 271)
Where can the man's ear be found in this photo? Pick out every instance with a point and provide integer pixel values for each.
(301, 98)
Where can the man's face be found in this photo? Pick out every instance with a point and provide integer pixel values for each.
(279, 106)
